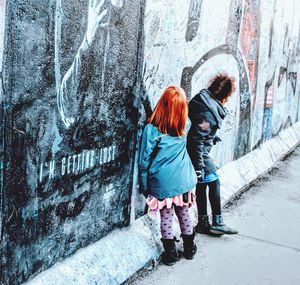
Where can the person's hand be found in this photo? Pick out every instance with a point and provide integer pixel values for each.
(204, 126)
(216, 139)
(200, 175)
(145, 193)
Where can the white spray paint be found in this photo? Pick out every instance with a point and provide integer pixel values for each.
(67, 85)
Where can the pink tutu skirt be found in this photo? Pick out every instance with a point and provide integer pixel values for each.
(155, 204)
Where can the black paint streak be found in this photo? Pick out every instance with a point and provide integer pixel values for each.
(292, 77)
(193, 20)
(285, 41)
(282, 71)
(271, 38)
(235, 18)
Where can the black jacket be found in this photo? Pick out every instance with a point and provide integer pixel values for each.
(206, 115)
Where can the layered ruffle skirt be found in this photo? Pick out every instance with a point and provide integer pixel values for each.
(186, 199)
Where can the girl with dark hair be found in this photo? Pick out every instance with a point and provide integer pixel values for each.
(167, 174)
(206, 112)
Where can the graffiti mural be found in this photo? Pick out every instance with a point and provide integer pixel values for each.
(73, 133)
(67, 85)
(2, 27)
(193, 20)
(190, 49)
(81, 77)
(277, 57)
(250, 33)
(194, 46)
(268, 106)
(292, 98)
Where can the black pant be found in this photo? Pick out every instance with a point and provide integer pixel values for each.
(214, 197)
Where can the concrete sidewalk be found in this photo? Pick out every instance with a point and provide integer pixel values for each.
(267, 249)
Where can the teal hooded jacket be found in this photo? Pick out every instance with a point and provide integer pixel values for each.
(166, 169)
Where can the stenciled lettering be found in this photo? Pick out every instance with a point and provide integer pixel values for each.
(76, 163)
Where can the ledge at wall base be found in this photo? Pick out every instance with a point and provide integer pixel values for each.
(240, 174)
(120, 255)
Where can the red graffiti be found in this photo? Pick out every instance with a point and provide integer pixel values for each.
(250, 37)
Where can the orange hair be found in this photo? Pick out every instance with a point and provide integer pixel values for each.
(171, 112)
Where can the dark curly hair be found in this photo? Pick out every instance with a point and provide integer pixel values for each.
(222, 86)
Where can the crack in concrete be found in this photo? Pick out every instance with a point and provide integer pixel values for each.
(270, 242)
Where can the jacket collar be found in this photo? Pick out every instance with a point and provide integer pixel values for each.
(214, 105)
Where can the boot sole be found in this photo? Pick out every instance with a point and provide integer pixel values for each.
(212, 234)
(180, 256)
(170, 263)
(216, 232)
(190, 257)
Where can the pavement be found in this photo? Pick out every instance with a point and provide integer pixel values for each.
(267, 249)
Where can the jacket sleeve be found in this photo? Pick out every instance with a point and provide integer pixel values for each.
(201, 130)
(146, 151)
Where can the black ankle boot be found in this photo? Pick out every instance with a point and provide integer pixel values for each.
(204, 226)
(171, 254)
(219, 227)
(189, 246)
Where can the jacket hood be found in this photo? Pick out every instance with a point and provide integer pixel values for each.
(214, 106)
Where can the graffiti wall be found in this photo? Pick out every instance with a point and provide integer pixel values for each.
(78, 80)
(69, 77)
(2, 26)
(276, 99)
(255, 41)
(183, 47)
(2, 29)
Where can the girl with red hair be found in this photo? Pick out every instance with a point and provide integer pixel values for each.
(167, 173)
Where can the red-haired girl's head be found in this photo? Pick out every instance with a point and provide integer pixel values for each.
(171, 112)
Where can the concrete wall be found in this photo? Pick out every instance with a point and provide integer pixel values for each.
(70, 74)
(79, 79)
(2, 30)
(255, 41)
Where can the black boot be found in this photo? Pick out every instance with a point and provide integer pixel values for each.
(219, 227)
(189, 246)
(171, 254)
(204, 227)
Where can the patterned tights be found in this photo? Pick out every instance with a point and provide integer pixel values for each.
(166, 221)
